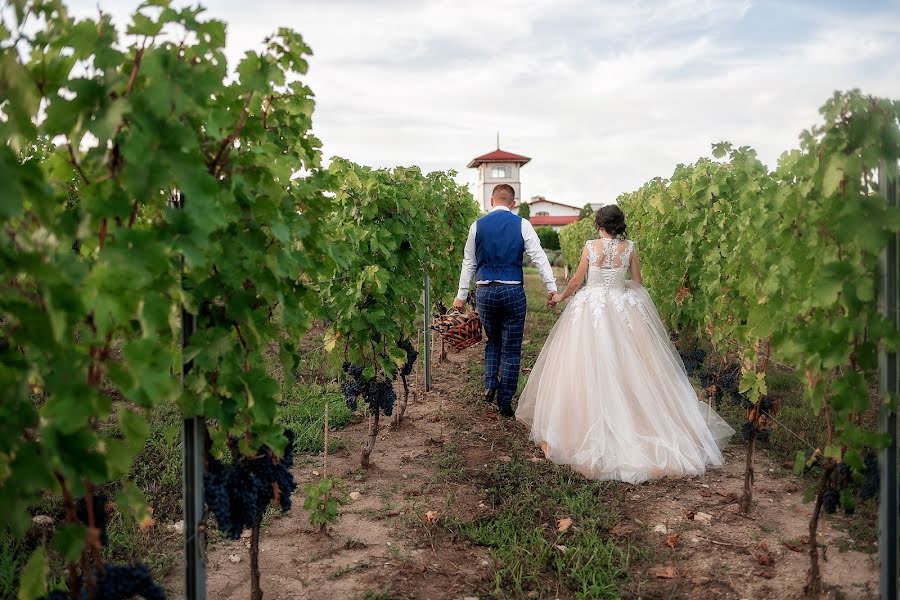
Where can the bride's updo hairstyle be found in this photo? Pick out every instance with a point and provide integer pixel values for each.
(611, 219)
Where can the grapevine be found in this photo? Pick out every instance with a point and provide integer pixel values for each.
(782, 265)
(102, 262)
(390, 229)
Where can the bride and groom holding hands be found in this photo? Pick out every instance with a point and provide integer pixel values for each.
(608, 395)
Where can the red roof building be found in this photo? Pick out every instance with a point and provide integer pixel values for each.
(551, 221)
(495, 168)
(498, 156)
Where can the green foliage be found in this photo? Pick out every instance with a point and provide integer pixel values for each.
(572, 239)
(549, 237)
(586, 212)
(524, 210)
(789, 256)
(391, 228)
(323, 500)
(34, 576)
(93, 275)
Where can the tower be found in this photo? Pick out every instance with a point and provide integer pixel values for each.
(495, 168)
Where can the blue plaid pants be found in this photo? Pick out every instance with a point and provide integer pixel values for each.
(502, 312)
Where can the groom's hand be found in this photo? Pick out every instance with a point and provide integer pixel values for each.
(459, 304)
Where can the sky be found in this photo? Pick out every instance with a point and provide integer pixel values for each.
(603, 95)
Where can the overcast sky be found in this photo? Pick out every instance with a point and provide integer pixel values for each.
(603, 95)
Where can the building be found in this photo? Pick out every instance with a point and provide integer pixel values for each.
(548, 213)
(501, 166)
(495, 168)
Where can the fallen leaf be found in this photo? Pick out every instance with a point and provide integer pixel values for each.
(762, 555)
(705, 493)
(545, 448)
(147, 522)
(561, 548)
(431, 517)
(563, 525)
(729, 498)
(672, 540)
(536, 459)
(660, 529)
(794, 546)
(702, 517)
(689, 515)
(663, 572)
(765, 573)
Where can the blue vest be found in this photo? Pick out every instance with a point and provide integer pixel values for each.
(499, 247)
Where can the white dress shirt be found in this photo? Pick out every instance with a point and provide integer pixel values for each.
(532, 249)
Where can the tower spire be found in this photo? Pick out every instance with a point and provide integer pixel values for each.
(498, 140)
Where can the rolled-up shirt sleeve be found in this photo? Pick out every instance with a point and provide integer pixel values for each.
(537, 255)
(468, 265)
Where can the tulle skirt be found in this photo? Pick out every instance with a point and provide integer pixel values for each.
(609, 395)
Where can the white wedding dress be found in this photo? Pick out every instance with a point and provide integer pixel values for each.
(608, 394)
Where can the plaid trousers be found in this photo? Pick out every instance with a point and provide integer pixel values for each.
(502, 312)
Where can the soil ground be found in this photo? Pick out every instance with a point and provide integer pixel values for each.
(688, 537)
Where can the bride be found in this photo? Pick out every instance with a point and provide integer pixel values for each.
(608, 394)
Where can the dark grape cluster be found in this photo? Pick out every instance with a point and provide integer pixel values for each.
(728, 381)
(871, 477)
(762, 435)
(100, 519)
(830, 500)
(238, 494)
(693, 360)
(378, 394)
(118, 582)
(411, 356)
(354, 385)
(381, 396)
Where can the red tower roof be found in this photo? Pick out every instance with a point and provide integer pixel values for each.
(498, 155)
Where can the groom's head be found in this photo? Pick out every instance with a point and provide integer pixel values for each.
(503, 195)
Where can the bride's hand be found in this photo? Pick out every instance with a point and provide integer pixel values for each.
(555, 299)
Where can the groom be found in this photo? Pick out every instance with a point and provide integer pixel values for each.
(493, 255)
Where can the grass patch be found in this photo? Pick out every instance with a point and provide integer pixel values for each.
(303, 410)
(449, 464)
(529, 554)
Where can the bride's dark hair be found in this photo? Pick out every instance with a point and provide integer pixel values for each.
(611, 219)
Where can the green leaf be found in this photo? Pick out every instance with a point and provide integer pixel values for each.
(369, 372)
(834, 174)
(799, 462)
(133, 424)
(833, 452)
(69, 540)
(33, 581)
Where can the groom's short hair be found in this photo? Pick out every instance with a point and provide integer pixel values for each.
(504, 193)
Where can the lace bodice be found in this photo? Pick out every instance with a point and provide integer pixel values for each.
(609, 263)
(609, 260)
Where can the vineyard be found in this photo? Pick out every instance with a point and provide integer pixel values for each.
(177, 254)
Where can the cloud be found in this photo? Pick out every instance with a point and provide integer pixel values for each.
(602, 95)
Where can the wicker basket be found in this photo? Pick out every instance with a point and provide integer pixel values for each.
(459, 330)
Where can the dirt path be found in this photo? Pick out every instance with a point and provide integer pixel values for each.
(382, 547)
